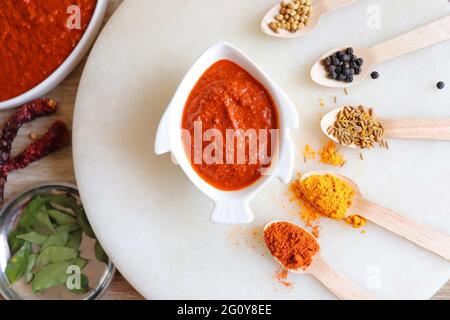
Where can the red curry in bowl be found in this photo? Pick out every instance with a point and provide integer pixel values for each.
(228, 97)
(36, 37)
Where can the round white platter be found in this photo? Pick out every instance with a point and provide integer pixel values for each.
(154, 223)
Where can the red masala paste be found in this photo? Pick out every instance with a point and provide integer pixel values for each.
(35, 40)
(228, 97)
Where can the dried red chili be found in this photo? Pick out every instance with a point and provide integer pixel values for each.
(27, 113)
(55, 138)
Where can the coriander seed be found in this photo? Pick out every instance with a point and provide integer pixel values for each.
(292, 16)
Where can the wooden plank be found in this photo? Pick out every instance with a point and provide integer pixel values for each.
(59, 166)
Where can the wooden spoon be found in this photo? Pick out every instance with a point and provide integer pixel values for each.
(426, 129)
(419, 38)
(337, 283)
(318, 10)
(423, 236)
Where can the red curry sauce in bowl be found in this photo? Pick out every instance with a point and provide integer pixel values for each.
(228, 127)
(227, 97)
(37, 38)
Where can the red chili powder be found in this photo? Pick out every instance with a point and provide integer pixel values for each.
(282, 276)
(35, 39)
(293, 246)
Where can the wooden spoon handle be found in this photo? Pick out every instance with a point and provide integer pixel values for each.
(419, 38)
(331, 5)
(342, 287)
(432, 129)
(421, 235)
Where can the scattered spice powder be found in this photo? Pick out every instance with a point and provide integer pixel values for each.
(293, 246)
(315, 231)
(281, 276)
(307, 212)
(356, 221)
(251, 237)
(309, 153)
(328, 155)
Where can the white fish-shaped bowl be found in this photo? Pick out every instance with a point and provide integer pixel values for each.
(230, 207)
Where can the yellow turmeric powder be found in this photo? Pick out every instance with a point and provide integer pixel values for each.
(309, 153)
(325, 195)
(329, 155)
(328, 194)
(307, 212)
(356, 221)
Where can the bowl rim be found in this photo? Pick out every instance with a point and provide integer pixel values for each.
(104, 282)
(68, 65)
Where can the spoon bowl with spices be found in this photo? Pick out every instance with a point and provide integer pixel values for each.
(356, 127)
(348, 201)
(346, 66)
(298, 18)
(298, 251)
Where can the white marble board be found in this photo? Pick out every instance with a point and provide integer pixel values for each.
(155, 225)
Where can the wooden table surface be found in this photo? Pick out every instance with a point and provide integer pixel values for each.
(59, 166)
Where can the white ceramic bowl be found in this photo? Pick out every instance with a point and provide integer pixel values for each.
(231, 207)
(67, 66)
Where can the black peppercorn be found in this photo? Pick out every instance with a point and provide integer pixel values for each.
(346, 72)
(375, 75)
(335, 61)
(440, 85)
(343, 65)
